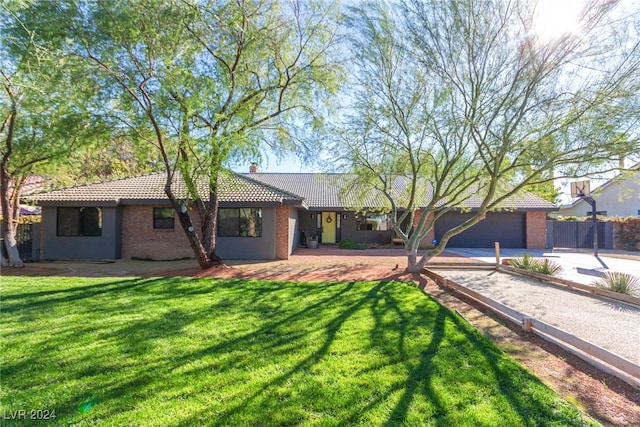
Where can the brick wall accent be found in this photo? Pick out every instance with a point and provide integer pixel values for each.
(428, 239)
(282, 232)
(141, 240)
(536, 225)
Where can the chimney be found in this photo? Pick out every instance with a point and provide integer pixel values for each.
(254, 168)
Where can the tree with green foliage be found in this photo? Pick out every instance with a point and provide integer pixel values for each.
(44, 114)
(460, 100)
(115, 156)
(203, 82)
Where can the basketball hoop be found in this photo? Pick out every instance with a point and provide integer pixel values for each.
(580, 189)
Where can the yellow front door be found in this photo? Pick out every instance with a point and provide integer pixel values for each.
(328, 227)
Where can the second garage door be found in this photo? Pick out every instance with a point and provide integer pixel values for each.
(506, 228)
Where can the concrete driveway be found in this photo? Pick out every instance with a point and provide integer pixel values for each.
(578, 266)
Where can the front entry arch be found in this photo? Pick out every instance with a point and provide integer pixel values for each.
(328, 227)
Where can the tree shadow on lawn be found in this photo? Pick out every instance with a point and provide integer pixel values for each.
(305, 365)
(14, 301)
(425, 376)
(132, 338)
(391, 326)
(130, 371)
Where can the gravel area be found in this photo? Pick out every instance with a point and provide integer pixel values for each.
(612, 325)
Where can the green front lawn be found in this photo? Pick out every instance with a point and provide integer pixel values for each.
(183, 352)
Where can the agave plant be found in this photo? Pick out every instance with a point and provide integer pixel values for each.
(524, 262)
(547, 267)
(527, 262)
(619, 282)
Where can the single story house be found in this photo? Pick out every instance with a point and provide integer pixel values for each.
(261, 216)
(620, 196)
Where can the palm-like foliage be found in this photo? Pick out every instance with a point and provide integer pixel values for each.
(619, 282)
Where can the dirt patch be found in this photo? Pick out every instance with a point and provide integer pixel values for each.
(607, 399)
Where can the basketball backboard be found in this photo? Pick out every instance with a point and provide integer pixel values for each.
(580, 189)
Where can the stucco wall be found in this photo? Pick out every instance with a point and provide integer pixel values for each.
(349, 230)
(263, 247)
(294, 232)
(106, 246)
(306, 224)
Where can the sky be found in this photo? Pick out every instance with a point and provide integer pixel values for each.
(273, 164)
(555, 17)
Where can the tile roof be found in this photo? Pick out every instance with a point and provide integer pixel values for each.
(320, 190)
(150, 187)
(310, 190)
(327, 191)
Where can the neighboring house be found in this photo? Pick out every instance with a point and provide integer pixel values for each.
(32, 184)
(620, 196)
(261, 216)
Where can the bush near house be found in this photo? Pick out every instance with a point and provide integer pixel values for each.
(627, 233)
(350, 244)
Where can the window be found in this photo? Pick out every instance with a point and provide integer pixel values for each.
(242, 222)
(163, 218)
(79, 222)
(598, 213)
(374, 222)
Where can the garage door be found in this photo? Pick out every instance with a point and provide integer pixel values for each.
(506, 228)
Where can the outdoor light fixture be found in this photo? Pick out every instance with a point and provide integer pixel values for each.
(344, 216)
(312, 216)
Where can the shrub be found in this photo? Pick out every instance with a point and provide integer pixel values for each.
(628, 233)
(350, 244)
(547, 266)
(619, 282)
(527, 262)
(524, 262)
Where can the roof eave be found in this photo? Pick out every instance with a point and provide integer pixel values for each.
(78, 203)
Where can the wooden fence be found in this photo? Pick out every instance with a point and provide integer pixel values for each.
(597, 356)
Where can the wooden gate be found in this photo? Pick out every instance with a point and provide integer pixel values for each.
(579, 234)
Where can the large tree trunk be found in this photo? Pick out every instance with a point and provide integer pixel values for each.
(205, 258)
(10, 212)
(209, 229)
(204, 245)
(190, 231)
(9, 232)
(412, 261)
(413, 264)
